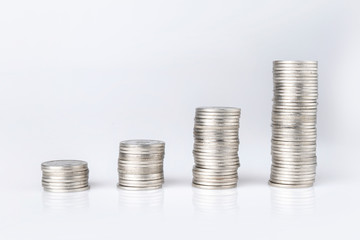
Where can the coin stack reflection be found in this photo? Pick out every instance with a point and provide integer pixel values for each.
(216, 144)
(140, 164)
(66, 201)
(216, 202)
(295, 202)
(65, 176)
(141, 202)
(294, 123)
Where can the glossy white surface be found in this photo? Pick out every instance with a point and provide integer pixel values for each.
(258, 212)
(253, 210)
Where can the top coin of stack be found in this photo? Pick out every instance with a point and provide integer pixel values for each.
(65, 175)
(294, 123)
(141, 164)
(216, 136)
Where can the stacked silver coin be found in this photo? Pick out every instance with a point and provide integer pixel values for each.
(294, 123)
(65, 176)
(216, 145)
(141, 164)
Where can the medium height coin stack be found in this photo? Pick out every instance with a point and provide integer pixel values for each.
(141, 164)
(216, 136)
(294, 123)
(65, 176)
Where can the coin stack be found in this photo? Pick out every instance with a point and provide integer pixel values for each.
(65, 176)
(141, 164)
(294, 124)
(216, 145)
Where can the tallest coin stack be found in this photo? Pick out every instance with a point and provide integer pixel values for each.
(294, 123)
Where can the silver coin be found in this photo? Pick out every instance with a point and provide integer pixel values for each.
(219, 109)
(66, 190)
(138, 172)
(141, 156)
(292, 182)
(64, 185)
(216, 161)
(141, 177)
(298, 93)
(294, 156)
(217, 184)
(298, 165)
(56, 165)
(223, 168)
(67, 177)
(216, 132)
(296, 148)
(290, 185)
(293, 173)
(135, 165)
(283, 175)
(67, 180)
(147, 183)
(294, 68)
(202, 122)
(214, 183)
(229, 145)
(226, 160)
(139, 188)
(291, 179)
(214, 127)
(145, 152)
(216, 174)
(143, 142)
(291, 72)
(136, 159)
(65, 173)
(214, 177)
(287, 163)
(218, 119)
(213, 186)
(295, 100)
(295, 62)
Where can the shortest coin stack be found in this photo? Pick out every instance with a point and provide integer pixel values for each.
(141, 164)
(65, 176)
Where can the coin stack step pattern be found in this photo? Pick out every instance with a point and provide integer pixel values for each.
(294, 123)
(141, 164)
(216, 145)
(65, 176)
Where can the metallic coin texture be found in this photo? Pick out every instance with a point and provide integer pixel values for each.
(216, 145)
(293, 145)
(65, 176)
(140, 164)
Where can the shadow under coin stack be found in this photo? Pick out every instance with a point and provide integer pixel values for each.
(141, 164)
(65, 176)
(294, 124)
(216, 136)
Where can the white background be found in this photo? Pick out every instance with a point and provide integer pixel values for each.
(77, 77)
